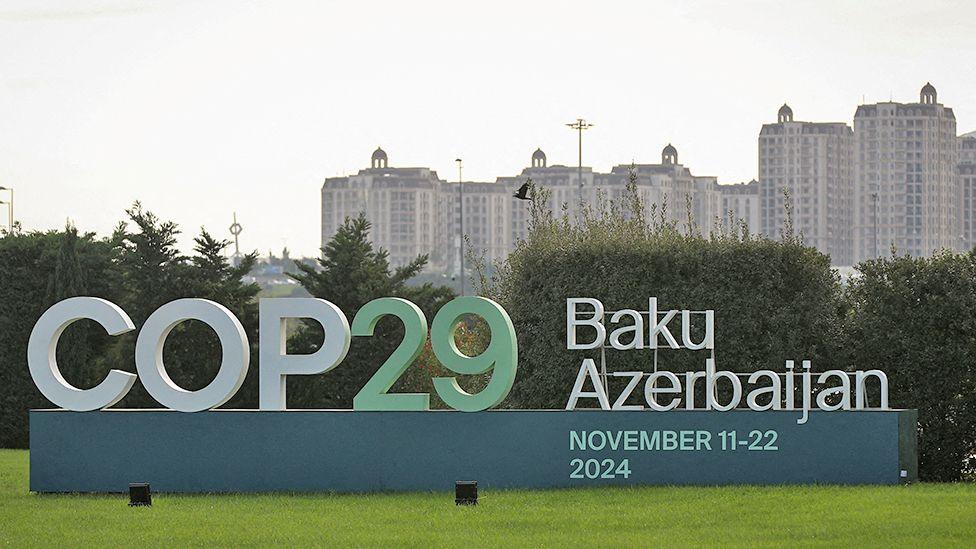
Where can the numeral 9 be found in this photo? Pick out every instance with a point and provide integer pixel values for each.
(501, 354)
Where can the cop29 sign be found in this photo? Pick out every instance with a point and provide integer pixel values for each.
(754, 430)
(772, 390)
(500, 356)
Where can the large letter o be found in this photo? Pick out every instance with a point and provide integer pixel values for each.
(233, 363)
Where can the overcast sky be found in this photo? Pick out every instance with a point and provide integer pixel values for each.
(201, 109)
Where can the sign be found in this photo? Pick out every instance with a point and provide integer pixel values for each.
(348, 451)
(501, 355)
(796, 426)
(828, 391)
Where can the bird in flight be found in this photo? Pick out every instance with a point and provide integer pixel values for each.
(523, 192)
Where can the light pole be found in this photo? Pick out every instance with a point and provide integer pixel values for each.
(874, 196)
(10, 208)
(579, 126)
(461, 222)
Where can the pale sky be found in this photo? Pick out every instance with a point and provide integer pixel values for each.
(201, 109)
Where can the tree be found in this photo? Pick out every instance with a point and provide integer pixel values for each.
(211, 276)
(36, 270)
(153, 272)
(351, 273)
(75, 353)
(915, 319)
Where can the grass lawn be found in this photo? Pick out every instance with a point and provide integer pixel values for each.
(922, 515)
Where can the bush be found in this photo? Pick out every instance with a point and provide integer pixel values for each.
(36, 271)
(773, 300)
(915, 318)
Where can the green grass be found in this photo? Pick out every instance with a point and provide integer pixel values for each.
(922, 515)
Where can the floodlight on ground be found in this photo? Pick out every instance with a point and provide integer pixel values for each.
(140, 495)
(466, 492)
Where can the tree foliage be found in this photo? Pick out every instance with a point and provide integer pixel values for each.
(139, 268)
(36, 270)
(351, 273)
(915, 318)
(773, 300)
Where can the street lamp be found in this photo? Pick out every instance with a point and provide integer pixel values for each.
(579, 126)
(874, 197)
(10, 207)
(461, 222)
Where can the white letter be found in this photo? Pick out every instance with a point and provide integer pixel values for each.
(588, 369)
(790, 390)
(637, 341)
(708, 341)
(773, 390)
(844, 391)
(635, 378)
(43, 345)
(711, 395)
(277, 364)
(690, 378)
(805, 378)
(860, 387)
(651, 390)
(659, 327)
(572, 322)
(233, 362)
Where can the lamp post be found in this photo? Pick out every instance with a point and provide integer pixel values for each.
(461, 222)
(874, 197)
(10, 208)
(579, 126)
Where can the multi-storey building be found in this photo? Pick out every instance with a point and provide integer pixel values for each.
(967, 148)
(673, 189)
(564, 191)
(414, 212)
(906, 194)
(401, 204)
(901, 178)
(811, 164)
(740, 205)
(966, 180)
(486, 222)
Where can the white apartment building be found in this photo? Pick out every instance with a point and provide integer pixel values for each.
(906, 193)
(966, 179)
(414, 212)
(813, 163)
(402, 204)
(967, 148)
(740, 204)
(672, 188)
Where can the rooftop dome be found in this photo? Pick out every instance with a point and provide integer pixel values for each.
(928, 95)
(538, 159)
(785, 114)
(379, 158)
(669, 155)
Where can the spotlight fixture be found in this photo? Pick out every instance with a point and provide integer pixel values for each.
(140, 495)
(466, 492)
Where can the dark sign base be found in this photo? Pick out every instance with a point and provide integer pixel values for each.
(346, 451)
